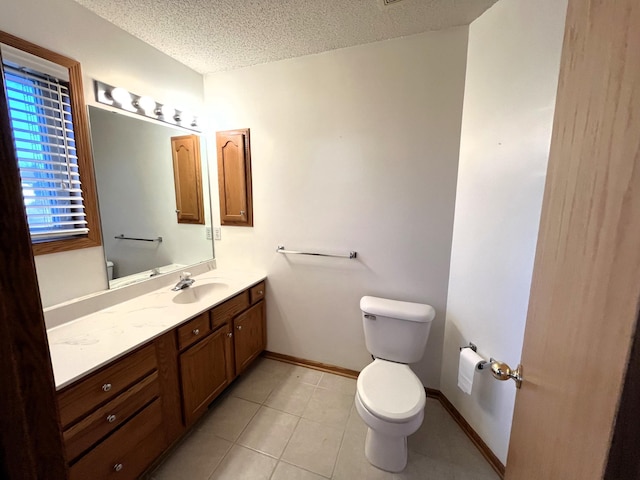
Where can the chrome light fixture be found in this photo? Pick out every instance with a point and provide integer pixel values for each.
(144, 105)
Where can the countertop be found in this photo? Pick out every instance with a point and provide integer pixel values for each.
(85, 344)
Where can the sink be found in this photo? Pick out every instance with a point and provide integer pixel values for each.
(198, 293)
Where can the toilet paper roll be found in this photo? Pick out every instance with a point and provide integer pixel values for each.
(469, 361)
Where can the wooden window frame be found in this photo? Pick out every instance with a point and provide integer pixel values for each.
(83, 150)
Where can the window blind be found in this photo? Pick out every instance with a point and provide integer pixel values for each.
(42, 125)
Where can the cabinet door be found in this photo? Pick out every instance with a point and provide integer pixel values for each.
(250, 336)
(204, 374)
(187, 175)
(234, 177)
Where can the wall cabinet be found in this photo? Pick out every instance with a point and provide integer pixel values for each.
(117, 421)
(234, 177)
(187, 175)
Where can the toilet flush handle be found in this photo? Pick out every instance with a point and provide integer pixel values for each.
(369, 316)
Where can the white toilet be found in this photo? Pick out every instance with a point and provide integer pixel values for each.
(390, 398)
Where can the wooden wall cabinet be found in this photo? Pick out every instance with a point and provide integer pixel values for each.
(234, 177)
(117, 421)
(187, 175)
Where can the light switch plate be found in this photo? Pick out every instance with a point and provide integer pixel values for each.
(217, 233)
(208, 233)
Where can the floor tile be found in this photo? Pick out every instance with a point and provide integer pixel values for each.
(313, 447)
(304, 375)
(338, 383)
(195, 458)
(269, 431)
(329, 407)
(352, 462)
(290, 396)
(255, 385)
(244, 464)
(228, 418)
(284, 471)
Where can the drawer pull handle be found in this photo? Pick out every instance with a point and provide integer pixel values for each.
(196, 331)
(117, 467)
(106, 387)
(230, 334)
(111, 418)
(260, 292)
(239, 327)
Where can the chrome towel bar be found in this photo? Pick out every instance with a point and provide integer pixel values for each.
(281, 249)
(122, 237)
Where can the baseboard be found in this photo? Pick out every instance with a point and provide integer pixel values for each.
(323, 367)
(484, 449)
(431, 393)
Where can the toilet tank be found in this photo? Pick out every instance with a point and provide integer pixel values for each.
(395, 330)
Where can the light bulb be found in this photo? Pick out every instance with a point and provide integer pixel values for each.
(147, 104)
(168, 112)
(121, 96)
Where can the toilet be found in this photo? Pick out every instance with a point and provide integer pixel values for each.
(390, 398)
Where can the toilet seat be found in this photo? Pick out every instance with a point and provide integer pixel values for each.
(391, 391)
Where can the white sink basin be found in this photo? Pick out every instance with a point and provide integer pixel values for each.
(198, 293)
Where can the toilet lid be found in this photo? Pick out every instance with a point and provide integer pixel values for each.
(391, 391)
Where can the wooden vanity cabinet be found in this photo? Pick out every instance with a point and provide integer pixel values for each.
(118, 420)
(203, 373)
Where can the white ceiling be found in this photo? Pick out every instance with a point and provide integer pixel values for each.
(215, 35)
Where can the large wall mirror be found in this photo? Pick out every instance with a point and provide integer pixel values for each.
(136, 194)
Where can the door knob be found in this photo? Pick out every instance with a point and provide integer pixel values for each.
(502, 371)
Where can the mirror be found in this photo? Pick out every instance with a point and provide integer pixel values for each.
(137, 200)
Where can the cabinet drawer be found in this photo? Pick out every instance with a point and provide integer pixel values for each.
(229, 309)
(103, 421)
(79, 399)
(126, 453)
(193, 330)
(256, 293)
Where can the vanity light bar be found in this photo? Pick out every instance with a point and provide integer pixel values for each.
(143, 105)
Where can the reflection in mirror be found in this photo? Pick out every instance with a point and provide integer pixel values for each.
(136, 195)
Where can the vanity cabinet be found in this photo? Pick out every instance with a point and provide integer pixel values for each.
(203, 372)
(112, 420)
(118, 420)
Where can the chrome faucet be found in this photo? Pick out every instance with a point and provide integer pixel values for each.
(184, 282)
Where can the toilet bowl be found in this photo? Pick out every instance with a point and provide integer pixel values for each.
(390, 398)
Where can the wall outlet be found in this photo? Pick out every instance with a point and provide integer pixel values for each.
(217, 233)
(208, 230)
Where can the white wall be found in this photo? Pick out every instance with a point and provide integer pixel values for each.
(512, 74)
(353, 149)
(115, 57)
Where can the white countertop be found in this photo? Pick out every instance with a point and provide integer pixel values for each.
(87, 343)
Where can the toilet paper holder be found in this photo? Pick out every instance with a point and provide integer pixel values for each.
(482, 365)
(499, 370)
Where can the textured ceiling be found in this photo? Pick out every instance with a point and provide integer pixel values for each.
(216, 35)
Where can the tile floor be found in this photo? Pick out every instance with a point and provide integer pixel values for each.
(284, 422)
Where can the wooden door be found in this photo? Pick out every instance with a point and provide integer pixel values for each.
(249, 331)
(234, 177)
(586, 282)
(30, 433)
(187, 175)
(203, 374)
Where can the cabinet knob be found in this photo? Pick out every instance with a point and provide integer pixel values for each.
(106, 387)
(230, 334)
(239, 327)
(196, 331)
(117, 467)
(260, 292)
(111, 418)
(177, 211)
(241, 212)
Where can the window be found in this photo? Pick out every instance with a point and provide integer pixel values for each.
(50, 131)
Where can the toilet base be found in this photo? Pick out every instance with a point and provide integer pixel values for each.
(386, 452)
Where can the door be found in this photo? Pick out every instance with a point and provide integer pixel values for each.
(586, 282)
(250, 336)
(234, 177)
